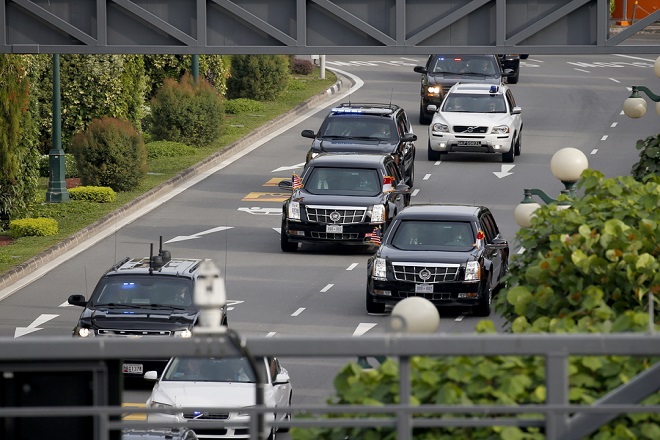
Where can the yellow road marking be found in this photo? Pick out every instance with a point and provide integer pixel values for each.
(275, 180)
(266, 197)
(134, 416)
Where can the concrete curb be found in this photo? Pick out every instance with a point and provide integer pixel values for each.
(36, 262)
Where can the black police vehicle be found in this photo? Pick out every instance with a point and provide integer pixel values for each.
(140, 298)
(342, 198)
(441, 72)
(452, 255)
(367, 128)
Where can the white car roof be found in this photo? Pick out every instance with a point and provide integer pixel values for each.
(474, 88)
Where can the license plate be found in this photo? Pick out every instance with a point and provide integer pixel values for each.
(133, 368)
(423, 288)
(469, 143)
(334, 229)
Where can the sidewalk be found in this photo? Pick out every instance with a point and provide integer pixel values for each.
(651, 29)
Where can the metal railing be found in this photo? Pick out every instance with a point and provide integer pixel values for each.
(557, 418)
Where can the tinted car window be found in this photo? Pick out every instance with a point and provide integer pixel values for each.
(433, 235)
(143, 290)
(344, 181)
(463, 102)
(230, 369)
(359, 127)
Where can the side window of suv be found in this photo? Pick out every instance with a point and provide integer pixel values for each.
(509, 97)
(393, 171)
(487, 226)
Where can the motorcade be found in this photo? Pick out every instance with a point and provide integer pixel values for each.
(367, 128)
(197, 385)
(342, 199)
(452, 255)
(141, 298)
(477, 118)
(441, 72)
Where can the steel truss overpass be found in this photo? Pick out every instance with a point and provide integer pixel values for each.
(306, 27)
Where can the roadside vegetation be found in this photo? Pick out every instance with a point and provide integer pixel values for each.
(113, 109)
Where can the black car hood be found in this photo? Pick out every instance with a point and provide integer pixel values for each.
(306, 198)
(448, 257)
(363, 145)
(447, 79)
(147, 319)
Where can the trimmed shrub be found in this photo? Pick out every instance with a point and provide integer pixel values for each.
(258, 77)
(243, 105)
(33, 227)
(110, 153)
(189, 111)
(99, 194)
(158, 149)
(649, 158)
(301, 67)
(70, 168)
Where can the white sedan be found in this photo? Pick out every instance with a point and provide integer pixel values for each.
(477, 118)
(228, 382)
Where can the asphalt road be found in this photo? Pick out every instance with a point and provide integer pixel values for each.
(567, 102)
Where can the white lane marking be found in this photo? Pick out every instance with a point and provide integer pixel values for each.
(521, 250)
(352, 266)
(298, 312)
(278, 230)
(426, 177)
(535, 60)
(65, 304)
(261, 211)
(231, 303)
(291, 167)
(270, 334)
(362, 328)
(34, 326)
(198, 234)
(414, 193)
(582, 70)
(505, 171)
(614, 124)
(437, 163)
(326, 288)
(615, 80)
(594, 151)
(321, 106)
(635, 58)
(603, 138)
(622, 113)
(460, 318)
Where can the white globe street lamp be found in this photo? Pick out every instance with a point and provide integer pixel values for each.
(635, 106)
(566, 165)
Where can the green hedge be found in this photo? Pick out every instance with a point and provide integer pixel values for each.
(33, 227)
(158, 149)
(99, 194)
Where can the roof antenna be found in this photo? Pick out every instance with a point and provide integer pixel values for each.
(391, 93)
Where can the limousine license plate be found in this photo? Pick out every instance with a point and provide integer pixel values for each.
(469, 143)
(334, 229)
(133, 368)
(423, 288)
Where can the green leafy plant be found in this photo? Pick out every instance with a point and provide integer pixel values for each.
(189, 111)
(649, 158)
(99, 194)
(258, 77)
(110, 153)
(243, 105)
(33, 227)
(70, 168)
(158, 149)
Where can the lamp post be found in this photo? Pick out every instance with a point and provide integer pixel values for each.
(566, 165)
(635, 106)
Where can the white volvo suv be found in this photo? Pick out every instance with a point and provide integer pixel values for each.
(477, 118)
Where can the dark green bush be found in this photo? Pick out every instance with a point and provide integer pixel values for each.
(110, 153)
(258, 77)
(243, 105)
(69, 166)
(189, 111)
(30, 227)
(301, 67)
(158, 149)
(649, 158)
(98, 194)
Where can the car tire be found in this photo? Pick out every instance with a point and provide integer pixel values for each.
(424, 117)
(374, 307)
(287, 246)
(509, 156)
(518, 144)
(432, 154)
(411, 178)
(483, 307)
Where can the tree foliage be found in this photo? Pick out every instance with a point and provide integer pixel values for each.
(649, 158)
(590, 268)
(258, 77)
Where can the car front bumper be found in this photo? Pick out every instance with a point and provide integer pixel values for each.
(351, 234)
(449, 142)
(442, 294)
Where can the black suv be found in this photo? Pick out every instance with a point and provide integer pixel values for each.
(142, 297)
(367, 128)
(452, 255)
(443, 71)
(342, 198)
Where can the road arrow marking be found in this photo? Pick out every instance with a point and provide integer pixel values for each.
(292, 167)
(22, 331)
(505, 171)
(363, 328)
(262, 211)
(231, 304)
(198, 235)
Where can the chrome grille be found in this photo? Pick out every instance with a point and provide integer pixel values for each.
(439, 273)
(436, 296)
(346, 214)
(466, 128)
(126, 333)
(206, 416)
(327, 236)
